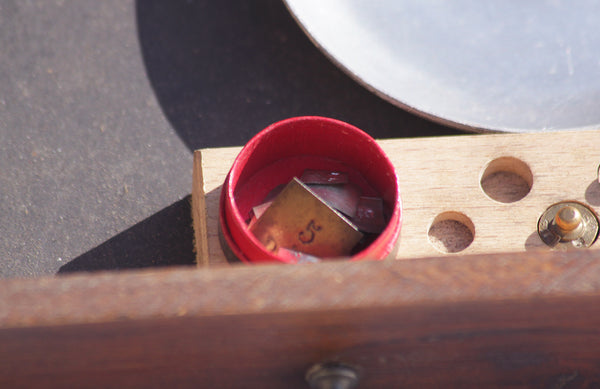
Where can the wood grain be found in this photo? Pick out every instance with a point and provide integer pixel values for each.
(525, 318)
(212, 169)
(507, 320)
(199, 213)
(443, 174)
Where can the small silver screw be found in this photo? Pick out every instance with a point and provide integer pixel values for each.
(332, 375)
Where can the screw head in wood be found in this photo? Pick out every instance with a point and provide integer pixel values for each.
(332, 375)
(568, 218)
(568, 224)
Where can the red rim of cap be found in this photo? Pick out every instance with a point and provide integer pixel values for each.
(313, 136)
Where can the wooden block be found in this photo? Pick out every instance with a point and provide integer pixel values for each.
(441, 181)
(520, 320)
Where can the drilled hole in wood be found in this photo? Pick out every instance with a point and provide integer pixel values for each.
(451, 232)
(506, 180)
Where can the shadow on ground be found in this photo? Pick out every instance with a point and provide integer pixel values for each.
(223, 70)
(163, 239)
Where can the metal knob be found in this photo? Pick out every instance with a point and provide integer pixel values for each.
(568, 219)
(568, 224)
(332, 375)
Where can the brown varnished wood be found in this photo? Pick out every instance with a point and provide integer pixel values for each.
(517, 320)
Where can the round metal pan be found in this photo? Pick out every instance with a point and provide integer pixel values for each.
(510, 66)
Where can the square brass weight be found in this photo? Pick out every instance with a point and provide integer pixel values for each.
(300, 221)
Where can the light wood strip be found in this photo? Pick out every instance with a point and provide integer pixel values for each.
(443, 174)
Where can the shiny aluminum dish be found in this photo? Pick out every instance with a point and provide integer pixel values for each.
(477, 65)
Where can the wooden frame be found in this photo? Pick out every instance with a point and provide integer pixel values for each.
(527, 317)
(446, 177)
(516, 320)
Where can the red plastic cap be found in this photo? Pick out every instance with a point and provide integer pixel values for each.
(283, 151)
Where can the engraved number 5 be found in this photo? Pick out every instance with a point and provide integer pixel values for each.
(308, 235)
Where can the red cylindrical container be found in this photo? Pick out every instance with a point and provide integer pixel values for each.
(283, 151)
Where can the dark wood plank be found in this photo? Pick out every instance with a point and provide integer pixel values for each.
(518, 320)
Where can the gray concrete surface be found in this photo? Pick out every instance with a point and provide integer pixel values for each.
(102, 103)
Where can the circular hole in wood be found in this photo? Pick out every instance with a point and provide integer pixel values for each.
(506, 179)
(451, 232)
